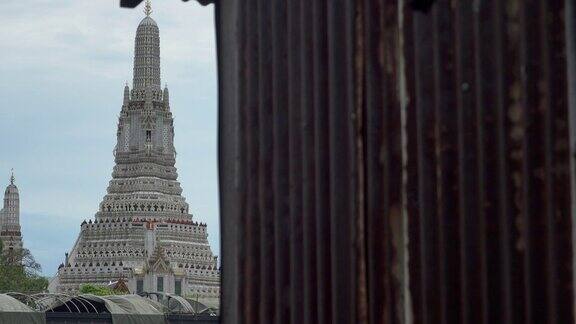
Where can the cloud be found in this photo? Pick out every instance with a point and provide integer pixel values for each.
(63, 66)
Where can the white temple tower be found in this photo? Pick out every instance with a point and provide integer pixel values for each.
(143, 231)
(10, 233)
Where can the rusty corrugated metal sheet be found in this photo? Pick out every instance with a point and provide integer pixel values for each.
(490, 224)
(395, 161)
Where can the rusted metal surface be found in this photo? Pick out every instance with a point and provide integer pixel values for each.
(449, 120)
(489, 229)
(395, 161)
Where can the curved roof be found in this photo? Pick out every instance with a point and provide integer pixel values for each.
(182, 305)
(134, 304)
(123, 308)
(113, 304)
(13, 311)
(10, 304)
(147, 21)
(11, 189)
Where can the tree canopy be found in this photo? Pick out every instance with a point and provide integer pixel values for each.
(19, 272)
(96, 290)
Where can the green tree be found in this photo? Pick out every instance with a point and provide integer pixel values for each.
(19, 272)
(96, 290)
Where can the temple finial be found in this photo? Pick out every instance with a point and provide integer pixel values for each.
(12, 176)
(148, 8)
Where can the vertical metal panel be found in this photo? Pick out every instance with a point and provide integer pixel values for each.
(509, 123)
(226, 19)
(486, 84)
(557, 162)
(280, 162)
(570, 18)
(342, 172)
(242, 175)
(383, 149)
(322, 145)
(295, 155)
(447, 168)
(252, 215)
(264, 108)
(309, 224)
(421, 195)
(469, 157)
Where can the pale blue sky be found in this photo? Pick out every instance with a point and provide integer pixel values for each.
(63, 65)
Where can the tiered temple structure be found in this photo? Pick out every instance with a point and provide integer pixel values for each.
(143, 232)
(10, 234)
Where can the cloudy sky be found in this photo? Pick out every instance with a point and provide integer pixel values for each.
(63, 65)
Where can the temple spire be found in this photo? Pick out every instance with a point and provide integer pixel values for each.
(147, 55)
(166, 97)
(126, 94)
(148, 8)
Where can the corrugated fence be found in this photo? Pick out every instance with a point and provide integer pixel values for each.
(395, 161)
